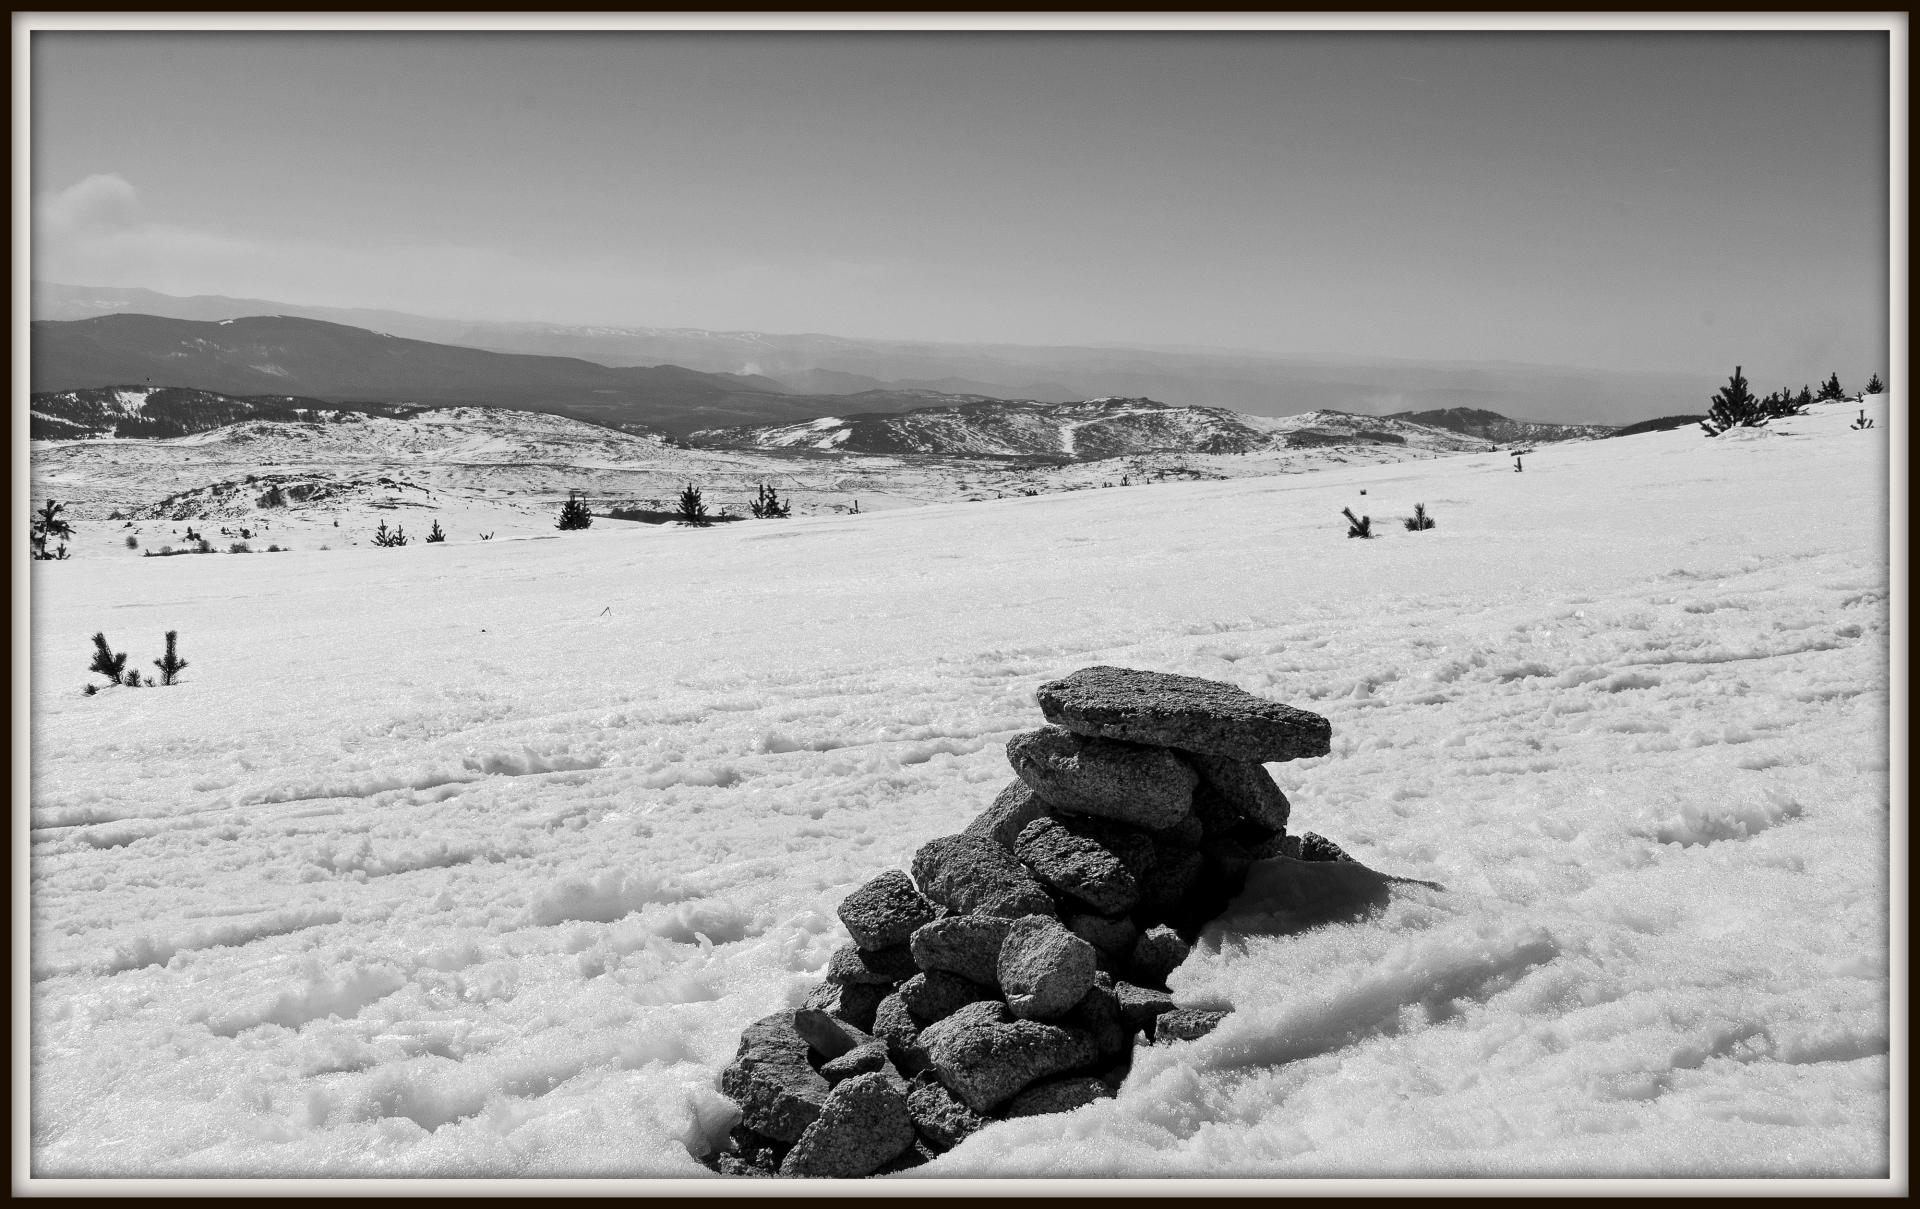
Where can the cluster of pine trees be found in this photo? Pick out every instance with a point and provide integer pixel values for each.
(1735, 406)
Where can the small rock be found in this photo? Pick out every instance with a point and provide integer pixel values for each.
(852, 964)
(941, 1119)
(937, 994)
(860, 1060)
(1184, 1024)
(1146, 786)
(1098, 1015)
(746, 1153)
(1139, 1005)
(1015, 807)
(852, 1002)
(984, 1056)
(1311, 847)
(1186, 712)
(884, 911)
(894, 1024)
(1244, 786)
(862, 1124)
(967, 945)
(1058, 1095)
(1076, 864)
(1044, 969)
(773, 1081)
(1157, 953)
(974, 876)
(826, 1034)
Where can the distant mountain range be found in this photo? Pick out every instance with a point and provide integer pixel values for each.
(175, 411)
(1083, 431)
(291, 356)
(814, 364)
(1497, 428)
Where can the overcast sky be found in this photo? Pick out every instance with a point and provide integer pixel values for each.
(1652, 200)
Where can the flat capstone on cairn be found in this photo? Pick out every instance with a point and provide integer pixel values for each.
(1016, 969)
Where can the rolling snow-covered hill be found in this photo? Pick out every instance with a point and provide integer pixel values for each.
(330, 479)
(475, 859)
(1085, 431)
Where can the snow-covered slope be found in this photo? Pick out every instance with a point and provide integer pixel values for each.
(474, 859)
(1086, 431)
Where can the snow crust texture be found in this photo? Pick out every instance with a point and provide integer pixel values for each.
(476, 859)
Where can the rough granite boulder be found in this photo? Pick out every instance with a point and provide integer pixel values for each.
(1184, 712)
(942, 1120)
(860, 1060)
(851, 1002)
(1077, 864)
(1245, 787)
(1044, 969)
(1139, 1005)
(1157, 953)
(884, 911)
(1058, 1095)
(1146, 786)
(937, 994)
(967, 874)
(967, 945)
(773, 1081)
(1185, 1024)
(871, 967)
(894, 1024)
(984, 1056)
(828, 1035)
(1001, 822)
(862, 1124)
(1098, 1015)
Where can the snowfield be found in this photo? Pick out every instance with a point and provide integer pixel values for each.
(473, 859)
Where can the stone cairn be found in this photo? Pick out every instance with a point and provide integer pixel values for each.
(1014, 972)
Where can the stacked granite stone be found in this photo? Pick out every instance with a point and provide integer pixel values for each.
(1016, 969)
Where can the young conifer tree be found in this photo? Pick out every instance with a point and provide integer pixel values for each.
(574, 514)
(105, 661)
(435, 535)
(769, 504)
(170, 665)
(1875, 386)
(1830, 390)
(1733, 407)
(692, 510)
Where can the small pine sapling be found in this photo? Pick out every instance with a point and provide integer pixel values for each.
(1733, 407)
(1358, 526)
(769, 505)
(105, 661)
(396, 538)
(1862, 422)
(133, 543)
(1875, 386)
(692, 511)
(170, 664)
(1419, 520)
(573, 513)
(48, 525)
(1830, 390)
(486, 537)
(434, 535)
